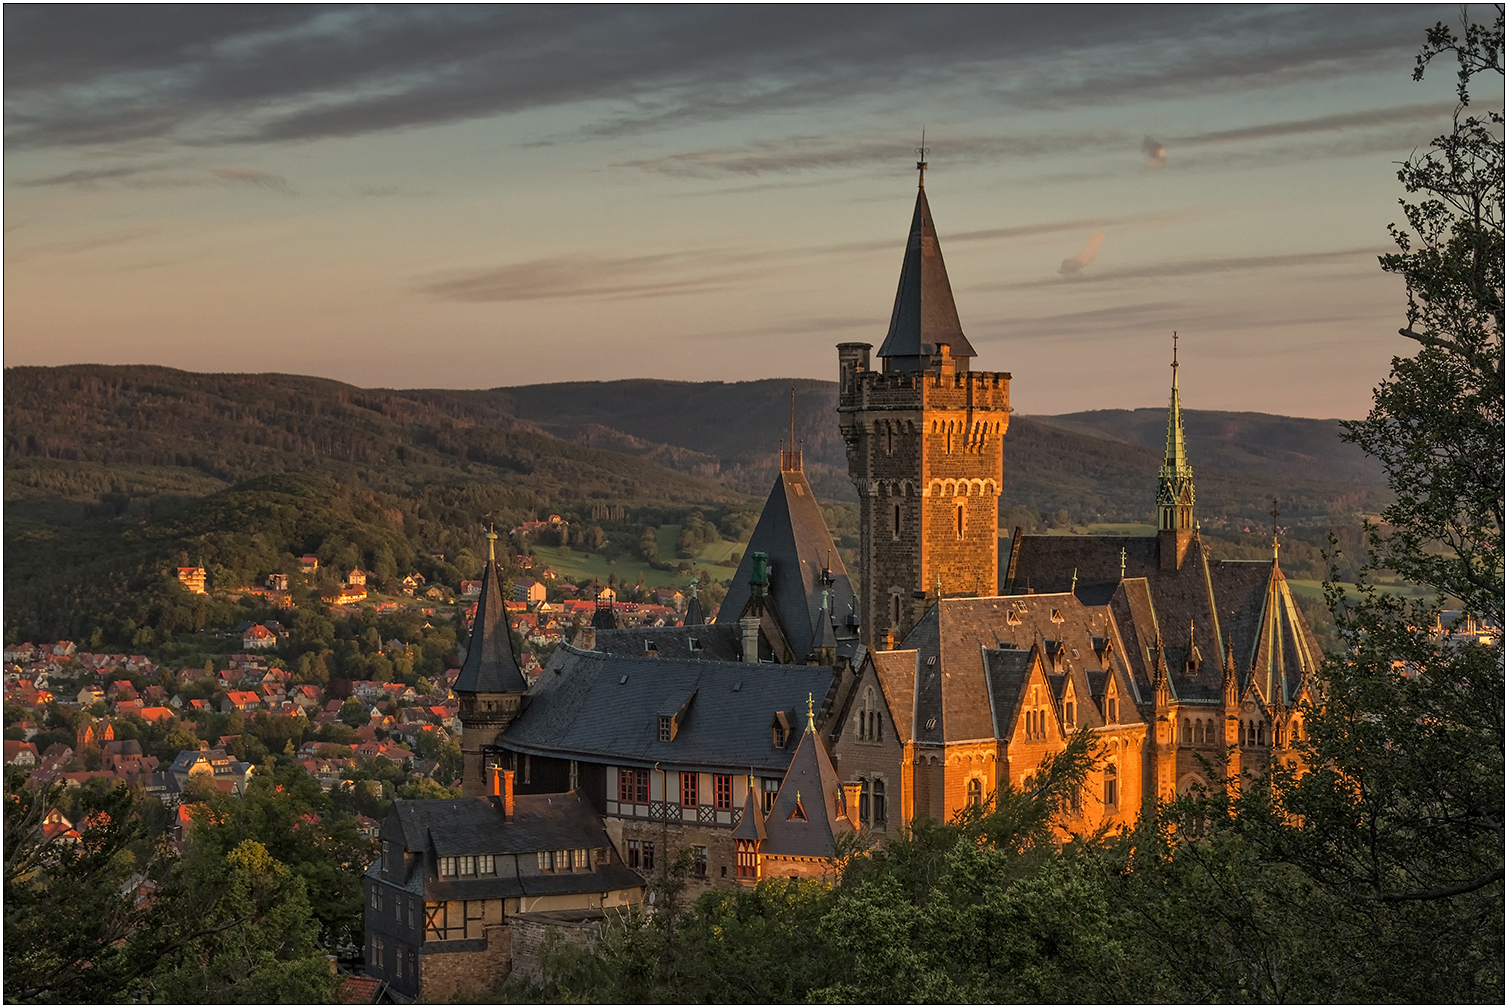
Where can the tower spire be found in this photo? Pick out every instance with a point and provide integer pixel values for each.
(921, 161)
(924, 317)
(1274, 512)
(1175, 480)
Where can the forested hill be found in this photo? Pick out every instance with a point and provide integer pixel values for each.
(114, 474)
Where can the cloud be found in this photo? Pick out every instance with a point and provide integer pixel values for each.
(1321, 124)
(101, 75)
(1200, 267)
(70, 248)
(596, 276)
(252, 177)
(1073, 264)
(1157, 155)
(84, 176)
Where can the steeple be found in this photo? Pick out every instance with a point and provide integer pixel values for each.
(924, 315)
(490, 686)
(1175, 486)
(694, 614)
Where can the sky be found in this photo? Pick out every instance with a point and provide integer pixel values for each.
(478, 196)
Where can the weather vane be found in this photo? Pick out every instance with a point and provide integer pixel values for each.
(921, 163)
(1274, 512)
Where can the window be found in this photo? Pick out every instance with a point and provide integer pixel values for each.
(889, 440)
(1068, 716)
(633, 786)
(895, 529)
(1112, 798)
(688, 790)
(377, 952)
(527, 767)
(649, 855)
(778, 736)
(467, 866)
(485, 865)
(633, 853)
(976, 792)
(398, 956)
(1110, 710)
(700, 866)
(447, 867)
(895, 606)
(411, 912)
(1188, 732)
(722, 791)
(747, 857)
(771, 787)
(863, 800)
(665, 727)
(373, 895)
(879, 803)
(387, 865)
(579, 859)
(960, 521)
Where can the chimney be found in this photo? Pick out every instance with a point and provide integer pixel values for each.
(507, 789)
(495, 781)
(748, 629)
(586, 639)
(851, 802)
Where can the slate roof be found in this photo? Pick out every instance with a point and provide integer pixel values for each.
(694, 615)
(490, 666)
(793, 534)
(605, 708)
(972, 656)
(448, 827)
(924, 314)
(812, 782)
(715, 642)
(1046, 564)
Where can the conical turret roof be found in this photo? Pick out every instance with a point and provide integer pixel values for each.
(924, 314)
(490, 666)
(1175, 480)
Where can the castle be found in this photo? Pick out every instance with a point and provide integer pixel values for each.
(822, 701)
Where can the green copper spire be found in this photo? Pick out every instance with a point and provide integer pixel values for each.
(1175, 480)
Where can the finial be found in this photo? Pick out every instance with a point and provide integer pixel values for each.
(1123, 563)
(811, 723)
(939, 585)
(491, 543)
(1075, 585)
(921, 163)
(1175, 358)
(1274, 512)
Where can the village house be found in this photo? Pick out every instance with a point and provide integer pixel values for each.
(259, 638)
(465, 889)
(193, 579)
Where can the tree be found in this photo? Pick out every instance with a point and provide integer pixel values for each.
(1392, 838)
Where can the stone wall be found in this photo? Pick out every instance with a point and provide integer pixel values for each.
(466, 975)
(531, 931)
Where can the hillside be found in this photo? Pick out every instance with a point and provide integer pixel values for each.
(113, 475)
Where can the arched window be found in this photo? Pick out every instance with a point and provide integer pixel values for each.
(1112, 796)
(1261, 733)
(879, 803)
(1188, 732)
(976, 791)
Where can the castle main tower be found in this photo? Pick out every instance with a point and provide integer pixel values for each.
(924, 449)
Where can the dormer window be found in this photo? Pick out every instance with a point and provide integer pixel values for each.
(667, 727)
(651, 649)
(780, 730)
(1012, 617)
(693, 644)
(1057, 616)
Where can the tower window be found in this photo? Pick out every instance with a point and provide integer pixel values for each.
(959, 516)
(889, 439)
(976, 792)
(895, 607)
(896, 528)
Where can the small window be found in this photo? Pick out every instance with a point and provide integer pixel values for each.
(666, 724)
(485, 865)
(467, 866)
(387, 864)
(633, 853)
(651, 649)
(863, 800)
(579, 859)
(722, 791)
(895, 528)
(878, 805)
(976, 792)
(689, 790)
(771, 787)
(1068, 716)
(693, 644)
(447, 867)
(700, 866)
(546, 860)
(1112, 796)
(959, 515)
(778, 735)
(649, 855)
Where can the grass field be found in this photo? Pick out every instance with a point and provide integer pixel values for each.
(577, 564)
